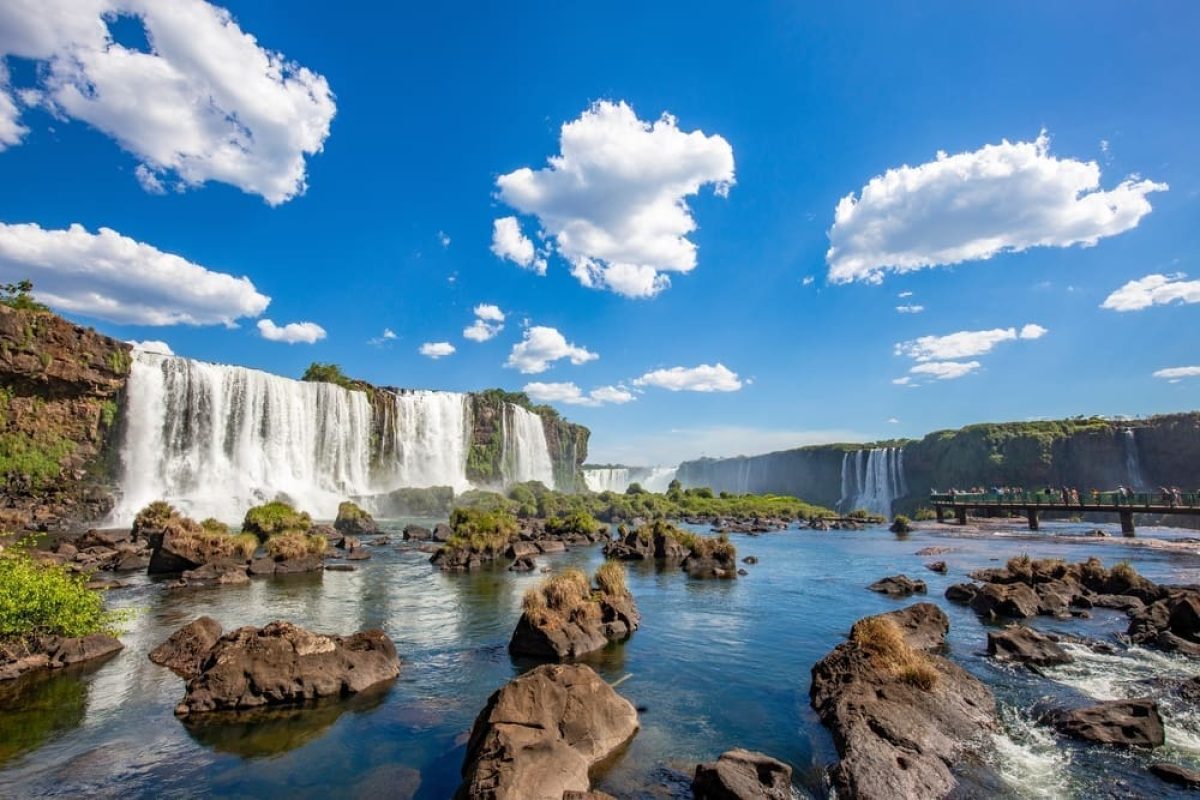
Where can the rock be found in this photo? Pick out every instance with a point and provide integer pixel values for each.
(66, 549)
(898, 586)
(1014, 600)
(416, 533)
(934, 551)
(442, 532)
(708, 568)
(538, 736)
(131, 562)
(961, 592)
(185, 650)
(552, 546)
(523, 564)
(750, 560)
(895, 738)
(312, 562)
(284, 664)
(262, 566)
(1177, 775)
(743, 572)
(53, 652)
(353, 521)
(214, 574)
(572, 619)
(1184, 620)
(1116, 601)
(332, 535)
(937, 566)
(340, 568)
(1122, 723)
(522, 550)
(743, 775)
(358, 554)
(1027, 646)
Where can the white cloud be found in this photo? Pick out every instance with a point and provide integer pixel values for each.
(807, 280)
(541, 347)
(436, 350)
(205, 103)
(614, 201)
(904, 381)
(292, 333)
(704, 378)
(945, 370)
(109, 276)
(1153, 290)
(964, 344)
(903, 295)
(489, 321)
(1173, 374)
(443, 238)
(893, 421)
(914, 309)
(153, 346)
(971, 206)
(388, 335)
(509, 242)
(571, 394)
(148, 180)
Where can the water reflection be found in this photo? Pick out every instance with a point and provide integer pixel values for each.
(41, 705)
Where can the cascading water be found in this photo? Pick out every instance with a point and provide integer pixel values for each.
(214, 440)
(526, 456)
(1133, 464)
(872, 479)
(618, 479)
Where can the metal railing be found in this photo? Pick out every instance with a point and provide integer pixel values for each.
(1112, 498)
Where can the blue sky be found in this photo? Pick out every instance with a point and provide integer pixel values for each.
(400, 122)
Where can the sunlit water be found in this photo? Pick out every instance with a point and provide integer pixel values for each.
(714, 666)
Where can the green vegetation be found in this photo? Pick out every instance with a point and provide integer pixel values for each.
(350, 512)
(19, 295)
(275, 518)
(924, 514)
(119, 361)
(568, 597)
(39, 599)
(883, 640)
(487, 532)
(210, 539)
(901, 524)
(430, 502)
(108, 413)
(577, 523)
(32, 460)
(332, 373)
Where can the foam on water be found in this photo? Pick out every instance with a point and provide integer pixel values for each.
(1028, 758)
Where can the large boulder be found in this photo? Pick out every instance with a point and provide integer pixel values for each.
(566, 618)
(538, 736)
(743, 775)
(1027, 646)
(353, 521)
(186, 649)
(53, 652)
(961, 592)
(284, 664)
(1172, 623)
(1122, 723)
(898, 586)
(417, 533)
(1180, 776)
(1012, 600)
(899, 713)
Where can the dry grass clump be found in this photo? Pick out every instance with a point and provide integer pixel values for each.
(611, 579)
(286, 546)
(1021, 566)
(569, 597)
(211, 525)
(882, 638)
(1125, 572)
(245, 545)
(1093, 571)
(566, 589)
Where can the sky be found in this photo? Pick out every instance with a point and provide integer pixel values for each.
(696, 228)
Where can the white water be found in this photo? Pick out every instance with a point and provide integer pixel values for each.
(872, 479)
(617, 479)
(526, 456)
(1133, 464)
(214, 440)
(1028, 757)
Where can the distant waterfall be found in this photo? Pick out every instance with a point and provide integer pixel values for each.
(1133, 464)
(872, 479)
(526, 456)
(215, 440)
(617, 479)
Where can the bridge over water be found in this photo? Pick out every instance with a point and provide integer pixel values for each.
(1033, 504)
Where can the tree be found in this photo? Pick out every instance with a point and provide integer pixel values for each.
(19, 295)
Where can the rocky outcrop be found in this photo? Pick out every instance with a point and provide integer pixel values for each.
(184, 652)
(899, 713)
(566, 441)
(699, 556)
(1012, 601)
(898, 586)
(1172, 623)
(353, 521)
(1121, 723)
(743, 775)
(284, 664)
(539, 735)
(63, 385)
(1026, 646)
(565, 618)
(1177, 775)
(53, 652)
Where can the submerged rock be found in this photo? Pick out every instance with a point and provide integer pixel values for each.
(539, 735)
(1027, 646)
(937, 566)
(284, 664)
(743, 775)
(961, 592)
(1122, 723)
(53, 652)
(900, 715)
(1180, 776)
(184, 652)
(898, 586)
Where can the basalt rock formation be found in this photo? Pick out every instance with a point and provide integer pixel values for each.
(53, 652)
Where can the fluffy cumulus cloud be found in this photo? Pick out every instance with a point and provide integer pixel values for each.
(541, 347)
(489, 321)
(291, 333)
(941, 357)
(1000, 198)
(614, 201)
(1176, 374)
(1153, 290)
(436, 350)
(510, 242)
(112, 277)
(571, 394)
(205, 103)
(704, 378)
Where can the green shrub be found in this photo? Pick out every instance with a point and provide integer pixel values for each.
(924, 514)
(46, 599)
(275, 518)
(35, 460)
(859, 513)
(578, 523)
(19, 295)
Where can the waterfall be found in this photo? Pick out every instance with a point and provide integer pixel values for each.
(617, 479)
(214, 440)
(526, 456)
(872, 479)
(1133, 464)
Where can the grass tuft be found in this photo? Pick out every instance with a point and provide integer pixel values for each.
(882, 638)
